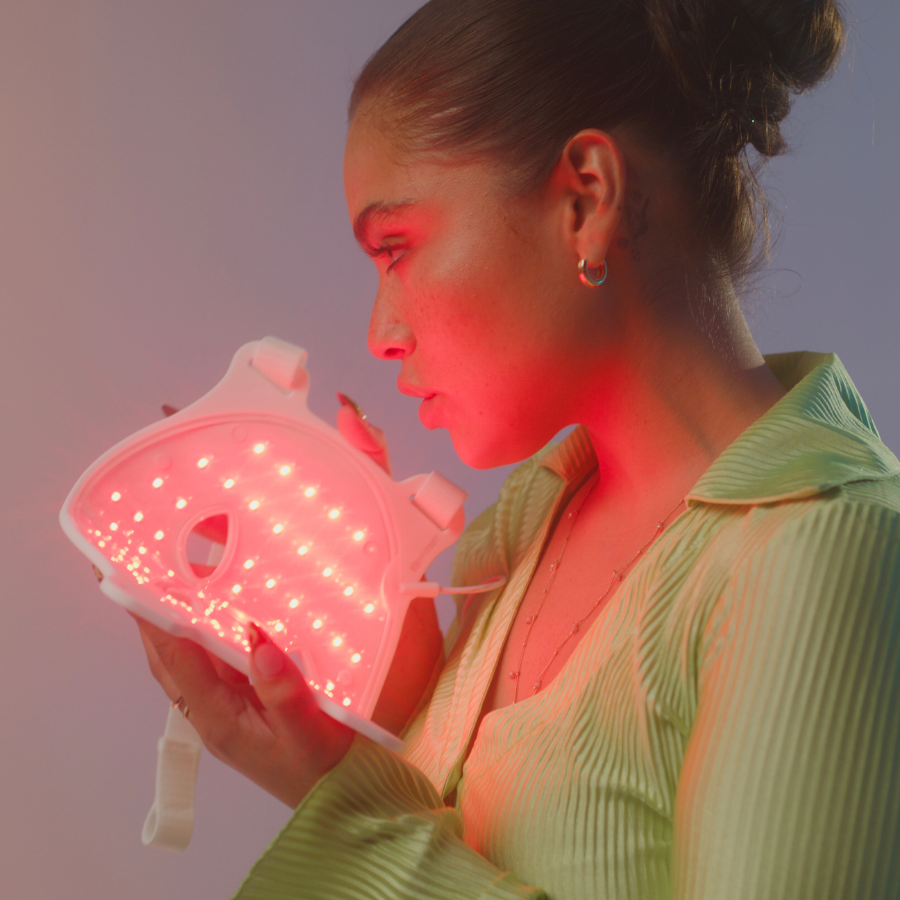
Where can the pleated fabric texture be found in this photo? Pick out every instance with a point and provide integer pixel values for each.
(729, 727)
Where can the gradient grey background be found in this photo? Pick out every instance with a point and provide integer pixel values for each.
(170, 188)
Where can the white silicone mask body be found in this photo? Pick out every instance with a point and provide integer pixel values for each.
(324, 550)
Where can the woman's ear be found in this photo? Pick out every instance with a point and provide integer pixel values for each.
(591, 175)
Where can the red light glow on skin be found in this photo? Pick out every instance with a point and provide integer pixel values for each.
(480, 302)
(463, 279)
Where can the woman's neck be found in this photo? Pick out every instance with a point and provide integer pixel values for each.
(671, 398)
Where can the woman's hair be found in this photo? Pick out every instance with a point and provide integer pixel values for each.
(695, 80)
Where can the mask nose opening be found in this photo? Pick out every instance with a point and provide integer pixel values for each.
(205, 546)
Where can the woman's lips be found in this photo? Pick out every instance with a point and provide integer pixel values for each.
(428, 411)
(412, 390)
(426, 407)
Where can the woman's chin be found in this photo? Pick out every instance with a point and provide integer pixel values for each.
(480, 451)
(475, 446)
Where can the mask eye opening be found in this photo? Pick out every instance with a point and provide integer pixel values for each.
(205, 545)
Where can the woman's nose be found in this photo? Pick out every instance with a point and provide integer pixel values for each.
(390, 337)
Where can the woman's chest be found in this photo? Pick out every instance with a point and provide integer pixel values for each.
(557, 609)
(575, 788)
(576, 577)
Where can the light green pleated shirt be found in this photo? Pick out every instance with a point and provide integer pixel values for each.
(729, 727)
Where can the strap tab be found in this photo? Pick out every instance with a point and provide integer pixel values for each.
(282, 363)
(439, 499)
(170, 822)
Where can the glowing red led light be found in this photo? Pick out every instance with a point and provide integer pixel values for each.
(221, 552)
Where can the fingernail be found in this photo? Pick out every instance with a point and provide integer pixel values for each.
(255, 635)
(268, 659)
(346, 401)
(98, 574)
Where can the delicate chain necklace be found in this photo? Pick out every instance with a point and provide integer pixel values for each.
(617, 576)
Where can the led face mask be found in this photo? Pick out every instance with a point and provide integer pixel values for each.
(246, 506)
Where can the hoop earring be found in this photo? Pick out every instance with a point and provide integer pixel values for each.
(586, 275)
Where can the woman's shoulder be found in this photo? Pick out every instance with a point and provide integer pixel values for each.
(826, 522)
(759, 530)
(884, 492)
(830, 558)
(793, 549)
(792, 575)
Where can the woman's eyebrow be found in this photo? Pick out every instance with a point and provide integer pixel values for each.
(375, 212)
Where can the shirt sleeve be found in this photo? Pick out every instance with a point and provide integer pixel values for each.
(374, 827)
(790, 786)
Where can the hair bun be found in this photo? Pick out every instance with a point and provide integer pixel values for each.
(806, 37)
(738, 62)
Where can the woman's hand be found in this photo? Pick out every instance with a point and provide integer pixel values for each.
(269, 727)
(270, 730)
(356, 428)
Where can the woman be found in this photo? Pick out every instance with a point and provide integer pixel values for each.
(688, 686)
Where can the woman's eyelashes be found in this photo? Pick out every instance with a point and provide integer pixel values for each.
(393, 254)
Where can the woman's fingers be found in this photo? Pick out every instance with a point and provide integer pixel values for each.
(228, 673)
(184, 669)
(157, 669)
(273, 732)
(306, 743)
(279, 684)
(356, 428)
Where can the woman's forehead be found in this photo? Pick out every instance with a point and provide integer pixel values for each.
(373, 166)
(381, 178)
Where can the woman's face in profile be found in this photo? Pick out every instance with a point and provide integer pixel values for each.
(474, 296)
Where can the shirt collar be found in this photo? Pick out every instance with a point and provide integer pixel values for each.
(818, 436)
